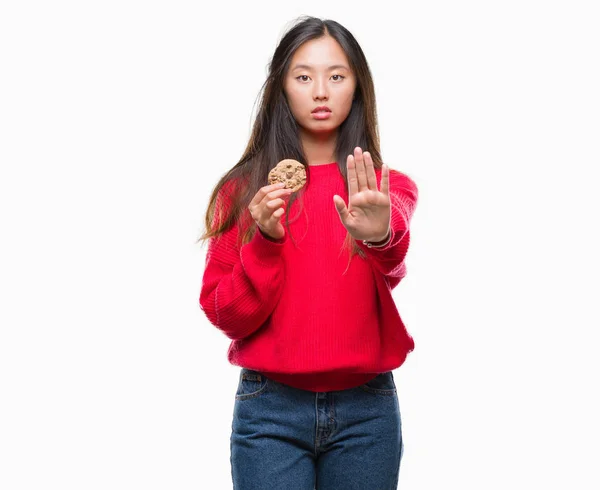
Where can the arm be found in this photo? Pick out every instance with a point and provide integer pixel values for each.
(389, 259)
(241, 286)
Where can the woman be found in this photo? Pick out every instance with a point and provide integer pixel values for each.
(306, 300)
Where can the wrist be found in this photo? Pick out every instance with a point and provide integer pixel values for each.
(382, 239)
(379, 242)
(270, 238)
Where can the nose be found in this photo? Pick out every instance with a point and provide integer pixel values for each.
(320, 89)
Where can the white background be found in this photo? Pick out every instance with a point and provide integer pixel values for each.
(117, 119)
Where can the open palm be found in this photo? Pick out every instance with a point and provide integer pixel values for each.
(367, 216)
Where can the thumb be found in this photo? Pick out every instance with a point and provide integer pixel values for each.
(340, 205)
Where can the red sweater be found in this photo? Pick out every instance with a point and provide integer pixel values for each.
(294, 312)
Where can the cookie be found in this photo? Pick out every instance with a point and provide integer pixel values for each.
(290, 172)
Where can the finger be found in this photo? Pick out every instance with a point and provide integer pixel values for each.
(277, 214)
(269, 209)
(361, 175)
(275, 203)
(385, 180)
(341, 208)
(352, 180)
(257, 209)
(274, 194)
(370, 171)
(279, 193)
(263, 191)
(269, 217)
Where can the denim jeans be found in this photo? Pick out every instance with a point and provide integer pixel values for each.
(284, 438)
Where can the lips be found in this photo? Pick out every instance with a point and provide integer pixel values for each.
(322, 108)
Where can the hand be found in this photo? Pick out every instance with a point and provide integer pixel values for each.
(267, 209)
(368, 214)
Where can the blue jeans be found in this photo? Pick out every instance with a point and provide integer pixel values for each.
(284, 438)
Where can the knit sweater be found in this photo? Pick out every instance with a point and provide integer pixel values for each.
(301, 313)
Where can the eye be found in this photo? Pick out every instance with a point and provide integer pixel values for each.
(306, 76)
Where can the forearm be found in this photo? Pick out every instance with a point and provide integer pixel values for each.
(238, 296)
(387, 256)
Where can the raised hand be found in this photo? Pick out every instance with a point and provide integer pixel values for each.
(367, 216)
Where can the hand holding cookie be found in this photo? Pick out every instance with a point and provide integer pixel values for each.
(266, 209)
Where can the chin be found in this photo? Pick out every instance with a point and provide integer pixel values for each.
(322, 128)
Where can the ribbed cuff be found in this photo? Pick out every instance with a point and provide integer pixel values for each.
(264, 249)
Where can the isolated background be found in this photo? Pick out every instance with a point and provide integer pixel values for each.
(117, 118)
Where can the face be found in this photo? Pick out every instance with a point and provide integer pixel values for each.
(320, 75)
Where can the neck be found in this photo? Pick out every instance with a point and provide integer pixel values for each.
(319, 148)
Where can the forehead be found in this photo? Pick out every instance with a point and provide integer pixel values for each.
(320, 54)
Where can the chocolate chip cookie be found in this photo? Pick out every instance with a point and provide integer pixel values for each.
(290, 172)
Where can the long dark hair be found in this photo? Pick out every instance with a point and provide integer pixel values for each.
(275, 133)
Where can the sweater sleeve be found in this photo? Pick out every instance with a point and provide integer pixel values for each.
(389, 259)
(241, 285)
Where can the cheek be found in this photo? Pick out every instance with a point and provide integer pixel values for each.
(347, 100)
(294, 100)
(350, 95)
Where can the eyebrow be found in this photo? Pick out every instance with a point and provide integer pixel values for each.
(308, 67)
